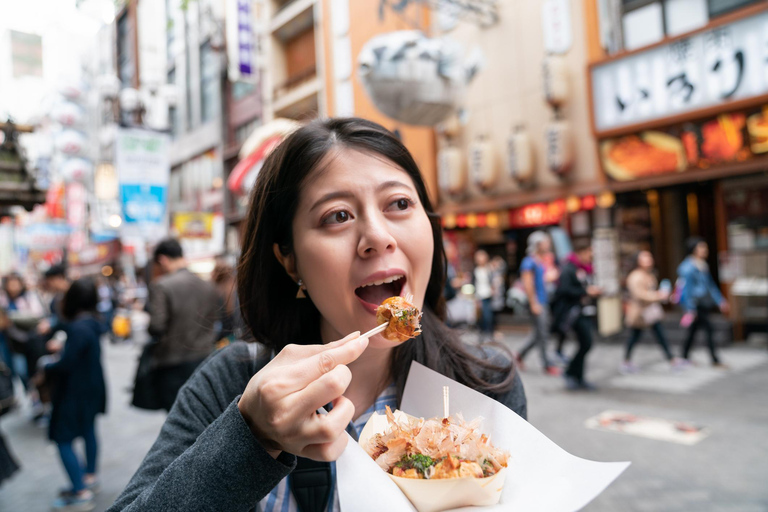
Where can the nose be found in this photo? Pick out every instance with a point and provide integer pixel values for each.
(375, 236)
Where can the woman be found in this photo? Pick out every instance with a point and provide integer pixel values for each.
(483, 280)
(338, 208)
(644, 309)
(78, 392)
(25, 309)
(532, 274)
(572, 308)
(700, 296)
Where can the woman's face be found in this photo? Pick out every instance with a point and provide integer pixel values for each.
(13, 287)
(360, 235)
(645, 260)
(701, 251)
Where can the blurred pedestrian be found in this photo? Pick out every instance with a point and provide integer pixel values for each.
(484, 293)
(183, 310)
(25, 311)
(644, 309)
(223, 278)
(78, 393)
(56, 284)
(106, 305)
(532, 275)
(8, 465)
(699, 297)
(573, 308)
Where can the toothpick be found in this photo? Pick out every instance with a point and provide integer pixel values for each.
(445, 402)
(376, 330)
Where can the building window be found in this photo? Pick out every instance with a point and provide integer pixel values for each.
(645, 22)
(242, 89)
(173, 111)
(170, 33)
(718, 7)
(244, 130)
(125, 58)
(209, 84)
(188, 73)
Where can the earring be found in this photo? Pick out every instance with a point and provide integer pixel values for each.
(300, 294)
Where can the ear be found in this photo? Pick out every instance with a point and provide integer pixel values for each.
(287, 261)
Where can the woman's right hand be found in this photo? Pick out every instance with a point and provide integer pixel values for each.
(280, 402)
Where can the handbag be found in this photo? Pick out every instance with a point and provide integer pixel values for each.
(145, 390)
(652, 314)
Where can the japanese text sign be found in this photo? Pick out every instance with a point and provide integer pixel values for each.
(726, 63)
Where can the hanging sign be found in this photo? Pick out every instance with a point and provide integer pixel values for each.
(241, 47)
(143, 170)
(709, 68)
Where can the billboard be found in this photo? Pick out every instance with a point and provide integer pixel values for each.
(26, 54)
(143, 172)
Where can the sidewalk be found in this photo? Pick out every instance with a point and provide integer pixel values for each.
(125, 435)
(724, 472)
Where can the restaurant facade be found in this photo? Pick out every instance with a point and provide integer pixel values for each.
(582, 124)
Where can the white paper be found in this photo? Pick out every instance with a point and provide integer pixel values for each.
(542, 476)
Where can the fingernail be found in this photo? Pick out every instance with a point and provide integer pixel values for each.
(362, 341)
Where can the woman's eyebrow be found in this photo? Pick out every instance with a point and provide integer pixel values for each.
(347, 194)
(330, 196)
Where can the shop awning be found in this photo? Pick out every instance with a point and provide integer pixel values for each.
(255, 149)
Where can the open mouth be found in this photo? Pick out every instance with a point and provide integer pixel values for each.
(374, 293)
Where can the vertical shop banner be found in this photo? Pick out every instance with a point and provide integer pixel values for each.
(241, 44)
(605, 248)
(143, 172)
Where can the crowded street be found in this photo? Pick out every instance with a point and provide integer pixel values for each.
(663, 475)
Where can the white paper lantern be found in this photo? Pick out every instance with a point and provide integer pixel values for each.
(555, 70)
(70, 142)
(76, 169)
(482, 165)
(451, 171)
(558, 137)
(67, 114)
(520, 159)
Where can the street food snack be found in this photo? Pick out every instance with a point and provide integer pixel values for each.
(402, 318)
(651, 153)
(435, 448)
(438, 463)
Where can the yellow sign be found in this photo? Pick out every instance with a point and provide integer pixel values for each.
(193, 224)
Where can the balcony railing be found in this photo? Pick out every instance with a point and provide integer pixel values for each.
(294, 81)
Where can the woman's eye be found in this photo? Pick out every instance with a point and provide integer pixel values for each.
(401, 204)
(337, 217)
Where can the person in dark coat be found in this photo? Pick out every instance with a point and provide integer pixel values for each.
(183, 312)
(572, 307)
(79, 392)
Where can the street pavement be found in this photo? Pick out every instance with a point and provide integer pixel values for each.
(726, 471)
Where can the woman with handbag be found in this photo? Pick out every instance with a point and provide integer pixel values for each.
(644, 309)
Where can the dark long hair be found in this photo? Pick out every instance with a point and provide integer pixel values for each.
(81, 297)
(267, 294)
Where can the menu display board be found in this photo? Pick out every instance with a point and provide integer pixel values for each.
(732, 137)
